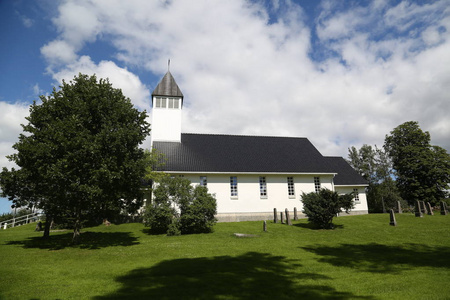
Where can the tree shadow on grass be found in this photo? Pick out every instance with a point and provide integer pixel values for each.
(312, 226)
(89, 240)
(379, 258)
(249, 276)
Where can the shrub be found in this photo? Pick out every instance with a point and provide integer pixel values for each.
(177, 208)
(323, 206)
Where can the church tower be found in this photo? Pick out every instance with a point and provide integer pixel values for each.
(167, 102)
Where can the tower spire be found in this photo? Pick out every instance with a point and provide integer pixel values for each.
(168, 66)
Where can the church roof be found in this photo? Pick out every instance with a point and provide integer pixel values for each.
(167, 87)
(242, 154)
(346, 175)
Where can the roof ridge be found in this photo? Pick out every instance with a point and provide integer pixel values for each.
(243, 135)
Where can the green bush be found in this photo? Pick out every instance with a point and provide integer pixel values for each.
(323, 206)
(178, 208)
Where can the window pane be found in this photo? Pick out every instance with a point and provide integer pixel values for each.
(233, 186)
(317, 184)
(262, 186)
(203, 181)
(291, 191)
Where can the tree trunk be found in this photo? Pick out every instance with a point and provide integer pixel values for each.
(48, 222)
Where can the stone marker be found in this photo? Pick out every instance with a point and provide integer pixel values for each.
(5, 225)
(424, 208)
(295, 214)
(275, 215)
(392, 215)
(288, 218)
(417, 210)
(265, 226)
(281, 217)
(430, 211)
(444, 211)
(399, 208)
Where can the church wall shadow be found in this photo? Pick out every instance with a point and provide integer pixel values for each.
(383, 258)
(249, 276)
(89, 240)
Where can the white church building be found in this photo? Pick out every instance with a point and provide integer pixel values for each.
(249, 175)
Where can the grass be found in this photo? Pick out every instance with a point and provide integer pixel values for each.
(363, 258)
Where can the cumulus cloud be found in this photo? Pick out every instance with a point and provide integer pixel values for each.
(11, 116)
(246, 68)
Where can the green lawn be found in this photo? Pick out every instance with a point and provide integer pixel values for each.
(363, 258)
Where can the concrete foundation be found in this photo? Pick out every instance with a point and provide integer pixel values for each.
(263, 216)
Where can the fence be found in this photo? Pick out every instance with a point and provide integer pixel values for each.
(34, 217)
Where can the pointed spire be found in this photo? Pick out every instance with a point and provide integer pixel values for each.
(167, 87)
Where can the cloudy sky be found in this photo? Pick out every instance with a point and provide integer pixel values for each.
(342, 73)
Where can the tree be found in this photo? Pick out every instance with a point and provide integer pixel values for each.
(79, 154)
(376, 167)
(321, 207)
(179, 208)
(422, 170)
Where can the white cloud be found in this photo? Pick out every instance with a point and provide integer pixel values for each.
(120, 78)
(242, 74)
(11, 116)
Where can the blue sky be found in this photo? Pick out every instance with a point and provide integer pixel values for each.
(342, 73)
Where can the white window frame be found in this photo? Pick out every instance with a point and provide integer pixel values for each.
(317, 185)
(262, 187)
(291, 187)
(233, 187)
(203, 181)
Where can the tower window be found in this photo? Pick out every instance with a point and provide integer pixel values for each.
(356, 194)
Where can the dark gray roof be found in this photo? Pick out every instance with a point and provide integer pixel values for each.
(346, 174)
(167, 87)
(234, 153)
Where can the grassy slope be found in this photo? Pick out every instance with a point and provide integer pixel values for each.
(363, 258)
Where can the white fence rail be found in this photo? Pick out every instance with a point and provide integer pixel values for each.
(22, 220)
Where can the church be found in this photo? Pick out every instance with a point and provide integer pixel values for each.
(249, 175)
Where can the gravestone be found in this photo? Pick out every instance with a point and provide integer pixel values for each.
(444, 210)
(265, 226)
(281, 217)
(399, 208)
(417, 210)
(275, 215)
(288, 218)
(424, 208)
(295, 214)
(430, 211)
(393, 222)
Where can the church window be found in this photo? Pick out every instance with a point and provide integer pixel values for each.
(203, 181)
(233, 186)
(262, 187)
(317, 184)
(356, 194)
(291, 190)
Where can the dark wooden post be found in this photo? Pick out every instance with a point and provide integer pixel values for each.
(275, 215)
(288, 218)
(295, 214)
(444, 211)
(417, 210)
(424, 208)
(430, 211)
(265, 226)
(282, 217)
(393, 222)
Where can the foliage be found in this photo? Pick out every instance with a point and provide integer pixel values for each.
(323, 206)
(422, 170)
(79, 154)
(179, 208)
(376, 167)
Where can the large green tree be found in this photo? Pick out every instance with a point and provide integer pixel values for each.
(422, 171)
(79, 154)
(376, 167)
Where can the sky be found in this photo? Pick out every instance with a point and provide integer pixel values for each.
(341, 73)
